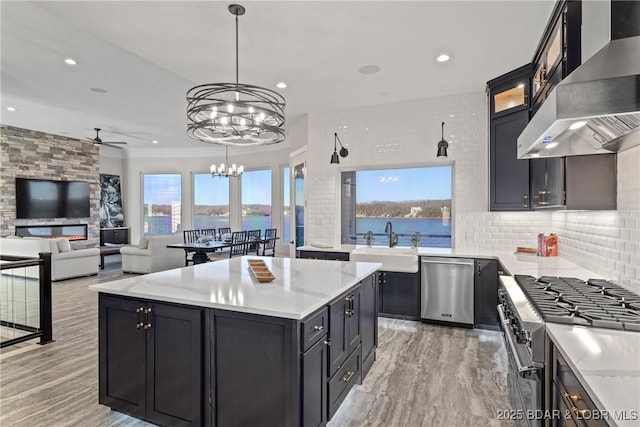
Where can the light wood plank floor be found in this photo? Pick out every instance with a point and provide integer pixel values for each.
(424, 375)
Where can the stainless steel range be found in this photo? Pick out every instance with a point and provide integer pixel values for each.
(524, 337)
(526, 303)
(596, 303)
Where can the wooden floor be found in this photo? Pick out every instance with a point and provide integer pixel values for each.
(424, 375)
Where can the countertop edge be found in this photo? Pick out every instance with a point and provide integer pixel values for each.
(592, 394)
(585, 382)
(370, 269)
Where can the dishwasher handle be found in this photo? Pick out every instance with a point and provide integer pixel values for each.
(464, 263)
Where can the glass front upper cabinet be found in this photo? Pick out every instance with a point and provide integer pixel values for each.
(510, 98)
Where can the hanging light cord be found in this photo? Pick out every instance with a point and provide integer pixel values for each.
(237, 67)
(442, 128)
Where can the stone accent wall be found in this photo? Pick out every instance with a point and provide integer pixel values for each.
(30, 154)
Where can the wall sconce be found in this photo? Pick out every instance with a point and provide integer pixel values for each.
(442, 145)
(343, 151)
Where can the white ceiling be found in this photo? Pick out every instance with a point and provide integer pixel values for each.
(147, 54)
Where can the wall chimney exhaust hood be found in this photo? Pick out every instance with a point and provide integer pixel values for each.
(595, 110)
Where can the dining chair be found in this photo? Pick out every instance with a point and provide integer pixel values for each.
(239, 243)
(253, 237)
(269, 243)
(208, 232)
(224, 230)
(189, 236)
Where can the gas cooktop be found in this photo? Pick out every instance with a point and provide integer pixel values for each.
(596, 303)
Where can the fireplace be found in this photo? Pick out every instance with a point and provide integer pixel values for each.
(68, 231)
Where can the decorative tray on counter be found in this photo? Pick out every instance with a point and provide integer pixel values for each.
(260, 271)
(526, 251)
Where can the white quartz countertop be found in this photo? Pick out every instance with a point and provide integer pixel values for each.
(300, 288)
(607, 364)
(514, 263)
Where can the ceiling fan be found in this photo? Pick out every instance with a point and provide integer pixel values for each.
(98, 141)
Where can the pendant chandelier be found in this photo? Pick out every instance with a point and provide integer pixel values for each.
(224, 170)
(234, 113)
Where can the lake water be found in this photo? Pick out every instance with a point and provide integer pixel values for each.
(434, 232)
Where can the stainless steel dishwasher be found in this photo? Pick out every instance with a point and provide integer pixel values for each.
(447, 289)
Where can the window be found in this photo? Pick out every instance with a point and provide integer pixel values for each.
(414, 200)
(210, 201)
(256, 200)
(286, 200)
(162, 204)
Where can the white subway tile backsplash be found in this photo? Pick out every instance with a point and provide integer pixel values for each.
(405, 134)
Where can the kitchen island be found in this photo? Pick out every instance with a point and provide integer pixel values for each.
(210, 345)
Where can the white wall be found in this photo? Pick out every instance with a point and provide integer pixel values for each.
(406, 134)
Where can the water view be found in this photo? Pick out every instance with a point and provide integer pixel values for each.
(434, 232)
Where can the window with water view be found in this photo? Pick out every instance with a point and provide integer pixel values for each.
(210, 201)
(256, 200)
(162, 204)
(286, 201)
(417, 202)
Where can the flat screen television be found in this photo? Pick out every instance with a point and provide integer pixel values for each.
(41, 198)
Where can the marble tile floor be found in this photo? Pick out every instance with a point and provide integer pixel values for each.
(424, 375)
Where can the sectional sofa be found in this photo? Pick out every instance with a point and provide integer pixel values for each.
(66, 262)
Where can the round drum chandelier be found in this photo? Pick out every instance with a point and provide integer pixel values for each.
(234, 113)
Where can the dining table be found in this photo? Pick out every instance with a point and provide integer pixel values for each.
(200, 249)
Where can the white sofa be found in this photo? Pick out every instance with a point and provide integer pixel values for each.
(151, 255)
(65, 261)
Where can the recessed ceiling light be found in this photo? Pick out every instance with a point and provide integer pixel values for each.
(452, 116)
(443, 58)
(551, 145)
(11, 108)
(369, 69)
(521, 85)
(70, 61)
(154, 141)
(281, 85)
(98, 90)
(577, 125)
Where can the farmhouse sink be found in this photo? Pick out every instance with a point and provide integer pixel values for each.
(403, 260)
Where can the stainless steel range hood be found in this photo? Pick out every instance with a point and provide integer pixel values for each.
(595, 110)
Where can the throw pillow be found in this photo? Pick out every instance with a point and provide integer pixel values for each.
(64, 245)
(144, 243)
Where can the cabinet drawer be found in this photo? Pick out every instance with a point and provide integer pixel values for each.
(574, 395)
(313, 328)
(343, 380)
(564, 418)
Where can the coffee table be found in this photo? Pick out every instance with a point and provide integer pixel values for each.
(106, 251)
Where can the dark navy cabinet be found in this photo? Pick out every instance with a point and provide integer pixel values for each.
(508, 116)
(399, 295)
(151, 360)
(485, 301)
(178, 365)
(335, 256)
